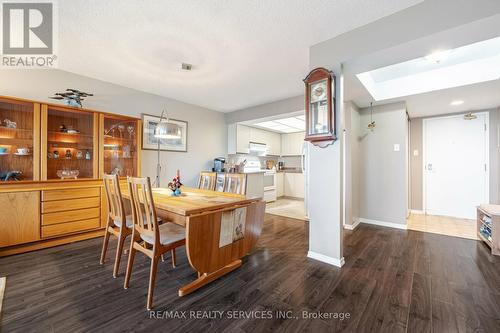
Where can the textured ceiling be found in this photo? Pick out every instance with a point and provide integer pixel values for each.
(244, 53)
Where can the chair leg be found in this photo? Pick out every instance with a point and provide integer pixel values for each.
(104, 246)
(152, 278)
(173, 258)
(130, 264)
(119, 251)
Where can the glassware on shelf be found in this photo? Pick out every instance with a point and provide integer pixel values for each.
(121, 129)
(131, 129)
(63, 174)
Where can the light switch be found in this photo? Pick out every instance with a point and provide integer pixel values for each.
(396, 147)
(415, 152)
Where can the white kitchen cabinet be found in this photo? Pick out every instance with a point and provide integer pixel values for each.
(242, 139)
(279, 184)
(274, 144)
(240, 136)
(293, 184)
(291, 144)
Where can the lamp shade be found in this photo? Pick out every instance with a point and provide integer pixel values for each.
(166, 130)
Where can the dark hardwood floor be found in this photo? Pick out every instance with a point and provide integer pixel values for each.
(393, 281)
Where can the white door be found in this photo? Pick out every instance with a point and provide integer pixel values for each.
(455, 165)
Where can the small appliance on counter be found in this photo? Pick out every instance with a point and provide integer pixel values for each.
(270, 164)
(219, 164)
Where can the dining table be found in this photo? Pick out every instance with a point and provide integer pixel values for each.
(221, 228)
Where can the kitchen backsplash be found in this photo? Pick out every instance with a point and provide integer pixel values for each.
(290, 161)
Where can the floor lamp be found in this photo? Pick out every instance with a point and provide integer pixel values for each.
(164, 130)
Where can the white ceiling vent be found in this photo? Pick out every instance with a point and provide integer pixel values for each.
(186, 66)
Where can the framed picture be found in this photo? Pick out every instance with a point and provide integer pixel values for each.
(177, 130)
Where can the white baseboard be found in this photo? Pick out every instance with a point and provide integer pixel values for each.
(355, 223)
(383, 224)
(326, 259)
(417, 212)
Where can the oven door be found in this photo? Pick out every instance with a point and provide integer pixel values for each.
(269, 180)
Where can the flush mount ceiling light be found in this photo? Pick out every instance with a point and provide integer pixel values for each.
(438, 56)
(470, 64)
(285, 125)
(457, 102)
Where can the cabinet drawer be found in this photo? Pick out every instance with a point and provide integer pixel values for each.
(69, 227)
(73, 193)
(65, 205)
(68, 216)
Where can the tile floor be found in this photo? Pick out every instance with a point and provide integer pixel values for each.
(291, 208)
(443, 225)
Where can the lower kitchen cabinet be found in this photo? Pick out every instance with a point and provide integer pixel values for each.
(294, 184)
(279, 184)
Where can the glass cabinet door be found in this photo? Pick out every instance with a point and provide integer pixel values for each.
(70, 145)
(19, 125)
(120, 150)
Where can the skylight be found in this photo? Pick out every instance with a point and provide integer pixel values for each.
(285, 125)
(470, 64)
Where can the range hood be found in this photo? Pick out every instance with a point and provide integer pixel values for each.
(258, 149)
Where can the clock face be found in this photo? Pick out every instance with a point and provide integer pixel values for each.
(318, 91)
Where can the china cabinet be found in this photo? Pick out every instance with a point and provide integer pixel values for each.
(120, 153)
(320, 107)
(52, 158)
(19, 128)
(69, 143)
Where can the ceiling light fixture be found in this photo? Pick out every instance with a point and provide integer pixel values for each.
(371, 125)
(457, 102)
(438, 56)
(470, 116)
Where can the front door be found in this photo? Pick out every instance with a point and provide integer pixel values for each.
(455, 165)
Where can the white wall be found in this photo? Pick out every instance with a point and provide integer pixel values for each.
(352, 163)
(383, 182)
(207, 131)
(292, 104)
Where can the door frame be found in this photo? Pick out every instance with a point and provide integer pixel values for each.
(424, 155)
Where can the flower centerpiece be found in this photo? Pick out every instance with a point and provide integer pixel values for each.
(175, 184)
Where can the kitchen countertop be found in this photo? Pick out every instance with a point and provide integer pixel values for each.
(290, 170)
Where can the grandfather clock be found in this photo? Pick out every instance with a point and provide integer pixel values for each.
(320, 107)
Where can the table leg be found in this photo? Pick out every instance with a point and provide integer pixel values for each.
(206, 278)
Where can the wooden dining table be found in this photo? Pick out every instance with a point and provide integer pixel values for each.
(221, 228)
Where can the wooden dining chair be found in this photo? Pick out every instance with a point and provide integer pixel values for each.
(235, 183)
(207, 180)
(118, 223)
(148, 236)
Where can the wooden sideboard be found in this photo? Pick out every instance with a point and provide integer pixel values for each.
(41, 210)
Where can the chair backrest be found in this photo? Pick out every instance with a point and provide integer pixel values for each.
(207, 180)
(116, 210)
(143, 207)
(235, 183)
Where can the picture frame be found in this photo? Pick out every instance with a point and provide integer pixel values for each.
(150, 142)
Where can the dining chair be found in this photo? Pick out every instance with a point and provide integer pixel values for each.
(118, 223)
(148, 236)
(207, 180)
(235, 183)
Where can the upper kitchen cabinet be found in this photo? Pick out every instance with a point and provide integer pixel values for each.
(271, 139)
(19, 144)
(292, 143)
(240, 137)
(69, 142)
(119, 153)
